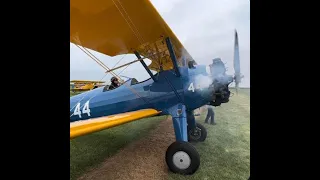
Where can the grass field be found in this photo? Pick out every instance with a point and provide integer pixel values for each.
(224, 155)
(88, 151)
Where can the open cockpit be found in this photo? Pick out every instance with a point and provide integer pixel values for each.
(129, 82)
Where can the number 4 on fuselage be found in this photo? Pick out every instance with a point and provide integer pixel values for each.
(86, 109)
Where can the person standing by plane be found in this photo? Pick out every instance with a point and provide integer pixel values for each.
(210, 115)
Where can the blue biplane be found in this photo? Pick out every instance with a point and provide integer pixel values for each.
(178, 87)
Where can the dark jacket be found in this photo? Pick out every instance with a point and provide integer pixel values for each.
(113, 86)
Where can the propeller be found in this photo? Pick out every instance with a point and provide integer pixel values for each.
(236, 63)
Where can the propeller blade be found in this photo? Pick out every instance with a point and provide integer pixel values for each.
(237, 88)
(236, 62)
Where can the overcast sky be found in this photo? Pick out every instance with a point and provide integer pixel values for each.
(204, 27)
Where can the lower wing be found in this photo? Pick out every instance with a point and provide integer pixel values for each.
(80, 128)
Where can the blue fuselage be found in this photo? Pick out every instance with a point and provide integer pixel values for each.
(191, 89)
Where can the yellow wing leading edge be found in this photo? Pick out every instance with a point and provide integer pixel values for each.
(80, 128)
(115, 27)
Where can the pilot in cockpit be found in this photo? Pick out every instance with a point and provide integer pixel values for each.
(114, 83)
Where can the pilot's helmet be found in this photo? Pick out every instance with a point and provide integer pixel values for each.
(114, 79)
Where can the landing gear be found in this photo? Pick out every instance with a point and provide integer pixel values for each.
(182, 158)
(197, 134)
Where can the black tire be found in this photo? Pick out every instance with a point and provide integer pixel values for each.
(199, 135)
(182, 158)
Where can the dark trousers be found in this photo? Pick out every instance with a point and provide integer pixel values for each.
(210, 114)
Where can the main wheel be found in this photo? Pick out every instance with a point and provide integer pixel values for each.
(182, 158)
(198, 134)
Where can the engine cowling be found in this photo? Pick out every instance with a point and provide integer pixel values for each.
(220, 84)
(221, 93)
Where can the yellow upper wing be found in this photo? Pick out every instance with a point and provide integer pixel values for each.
(115, 27)
(80, 128)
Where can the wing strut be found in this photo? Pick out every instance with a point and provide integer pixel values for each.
(173, 56)
(145, 66)
(140, 59)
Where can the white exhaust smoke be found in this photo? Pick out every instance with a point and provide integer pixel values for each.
(202, 82)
